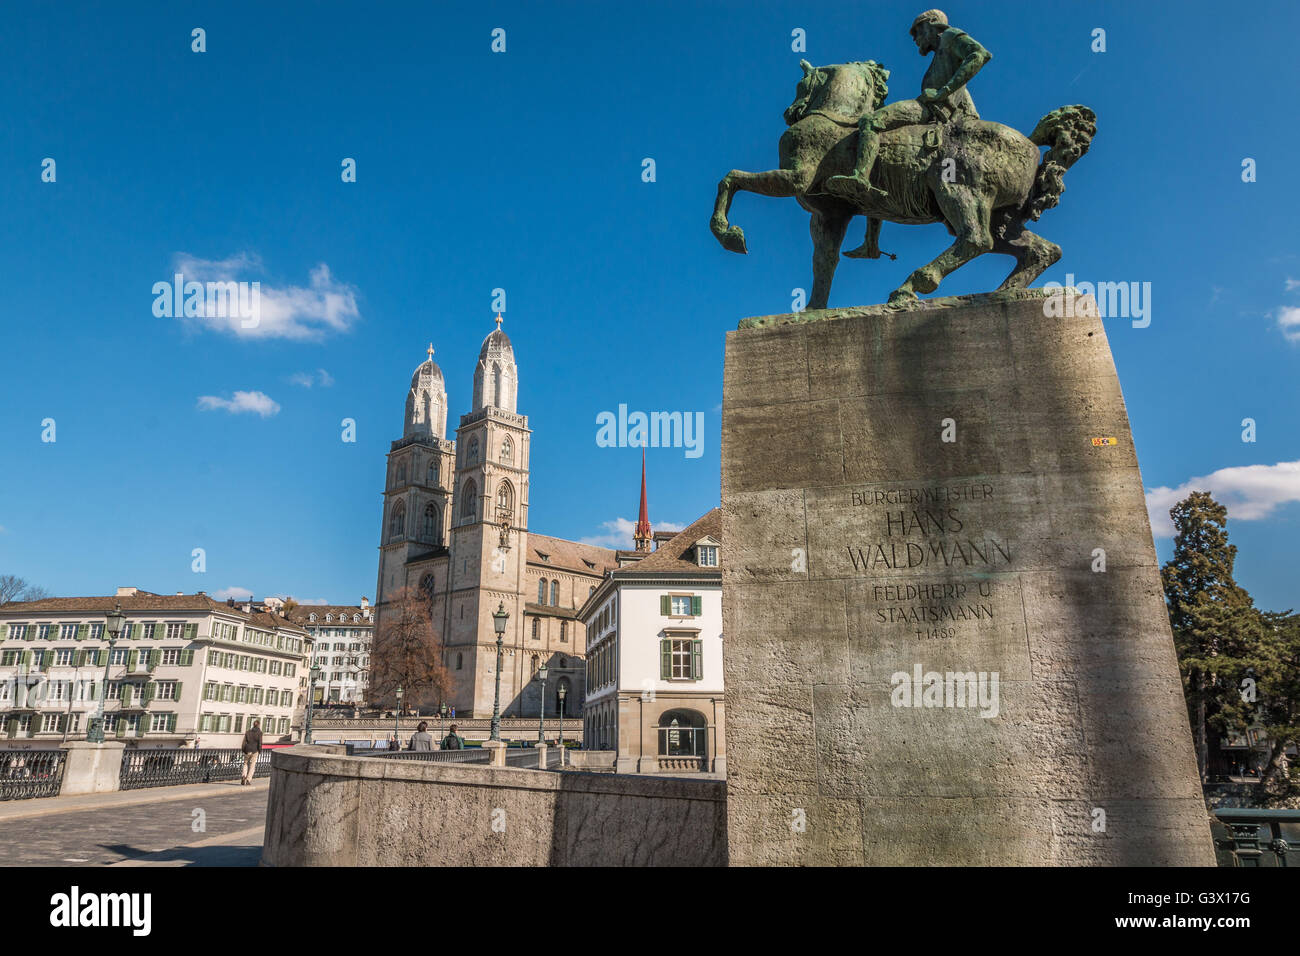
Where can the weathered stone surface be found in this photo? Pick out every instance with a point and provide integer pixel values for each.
(327, 809)
(974, 556)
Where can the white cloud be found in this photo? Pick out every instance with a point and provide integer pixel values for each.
(286, 597)
(307, 379)
(1249, 492)
(1292, 284)
(1288, 320)
(239, 594)
(618, 533)
(257, 402)
(323, 306)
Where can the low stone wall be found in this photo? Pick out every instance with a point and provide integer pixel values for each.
(595, 760)
(327, 809)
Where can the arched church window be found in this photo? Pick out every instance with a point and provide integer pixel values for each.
(460, 661)
(427, 585)
(555, 593)
(471, 454)
(535, 622)
(541, 593)
(505, 499)
(397, 523)
(432, 477)
(507, 451)
(469, 500)
(431, 523)
(534, 664)
(564, 630)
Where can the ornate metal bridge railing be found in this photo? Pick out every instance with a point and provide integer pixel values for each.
(169, 767)
(31, 773)
(470, 755)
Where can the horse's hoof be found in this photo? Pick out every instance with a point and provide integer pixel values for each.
(733, 240)
(902, 299)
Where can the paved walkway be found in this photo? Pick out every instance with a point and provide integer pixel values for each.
(153, 827)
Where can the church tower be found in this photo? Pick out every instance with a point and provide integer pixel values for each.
(489, 531)
(419, 484)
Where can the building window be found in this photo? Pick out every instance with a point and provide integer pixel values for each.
(507, 451)
(708, 556)
(460, 660)
(431, 523)
(535, 629)
(681, 659)
(401, 472)
(471, 453)
(505, 499)
(469, 500)
(541, 591)
(681, 605)
(63, 657)
(564, 630)
(397, 524)
(433, 473)
(555, 593)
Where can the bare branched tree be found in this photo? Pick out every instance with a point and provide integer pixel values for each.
(405, 654)
(14, 588)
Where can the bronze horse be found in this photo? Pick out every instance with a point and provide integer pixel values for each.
(982, 180)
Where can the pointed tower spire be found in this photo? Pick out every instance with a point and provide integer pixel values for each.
(642, 535)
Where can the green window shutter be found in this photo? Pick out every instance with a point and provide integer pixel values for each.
(146, 694)
(27, 658)
(178, 691)
(154, 657)
(665, 658)
(191, 630)
(82, 631)
(137, 631)
(11, 727)
(142, 726)
(62, 724)
(187, 658)
(171, 723)
(664, 606)
(4, 632)
(697, 605)
(697, 660)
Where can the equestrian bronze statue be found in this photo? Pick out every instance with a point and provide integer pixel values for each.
(927, 160)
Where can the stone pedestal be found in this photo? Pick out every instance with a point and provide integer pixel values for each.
(497, 750)
(926, 662)
(91, 768)
(541, 756)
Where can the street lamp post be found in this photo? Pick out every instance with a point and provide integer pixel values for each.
(113, 627)
(541, 707)
(561, 691)
(397, 715)
(311, 693)
(499, 619)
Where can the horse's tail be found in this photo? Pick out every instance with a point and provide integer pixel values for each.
(1067, 133)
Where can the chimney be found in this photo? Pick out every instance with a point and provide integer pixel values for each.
(365, 602)
(127, 592)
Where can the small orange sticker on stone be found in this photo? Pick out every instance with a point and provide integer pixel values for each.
(1099, 442)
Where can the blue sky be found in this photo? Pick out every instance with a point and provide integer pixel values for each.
(522, 170)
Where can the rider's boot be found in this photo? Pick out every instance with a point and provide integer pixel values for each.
(857, 185)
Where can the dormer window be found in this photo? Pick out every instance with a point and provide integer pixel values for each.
(708, 555)
(544, 557)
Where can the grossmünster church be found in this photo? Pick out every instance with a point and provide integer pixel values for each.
(455, 527)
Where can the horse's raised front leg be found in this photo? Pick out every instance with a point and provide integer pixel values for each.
(774, 182)
(968, 212)
(827, 235)
(1034, 255)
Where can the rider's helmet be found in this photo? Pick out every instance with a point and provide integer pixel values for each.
(930, 16)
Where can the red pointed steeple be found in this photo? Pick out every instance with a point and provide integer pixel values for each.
(642, 535)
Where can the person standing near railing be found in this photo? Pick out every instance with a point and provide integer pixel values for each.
(251, 747)
(421, 739)
(453, 740)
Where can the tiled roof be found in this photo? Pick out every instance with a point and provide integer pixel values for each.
(302, 613)
(132, 604)
(569, 555)
(142, 602)
(676, 554)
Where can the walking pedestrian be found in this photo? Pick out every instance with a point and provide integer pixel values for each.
(251, 747)
(453, 740)
(421, 739)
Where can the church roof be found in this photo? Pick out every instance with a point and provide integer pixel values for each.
(677, 553)
(569, 555)
(428, 367)
(496, 341)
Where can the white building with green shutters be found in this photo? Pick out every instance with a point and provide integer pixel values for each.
(186, 671)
